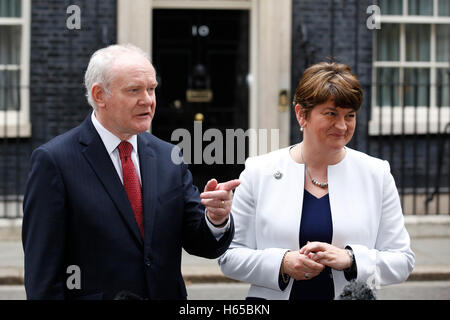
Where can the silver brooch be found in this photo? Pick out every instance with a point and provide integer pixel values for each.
(277, 175)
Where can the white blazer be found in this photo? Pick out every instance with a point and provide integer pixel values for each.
(365, 209)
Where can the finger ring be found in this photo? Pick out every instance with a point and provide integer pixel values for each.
(223, 204)
(306, 275)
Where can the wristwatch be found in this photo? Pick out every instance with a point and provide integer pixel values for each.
(352, 259)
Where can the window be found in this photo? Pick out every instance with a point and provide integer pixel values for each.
(411, 67)
(14, 68)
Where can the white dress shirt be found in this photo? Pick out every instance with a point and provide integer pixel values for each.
(111, 143)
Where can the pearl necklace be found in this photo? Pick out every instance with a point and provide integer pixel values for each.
(322, 185)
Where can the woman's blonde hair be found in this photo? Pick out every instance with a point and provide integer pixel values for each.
(328, 80)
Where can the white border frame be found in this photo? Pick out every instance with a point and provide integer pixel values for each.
(18, 122)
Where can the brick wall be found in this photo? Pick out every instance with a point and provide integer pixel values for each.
(59, 57)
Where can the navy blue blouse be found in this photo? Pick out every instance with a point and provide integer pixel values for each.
(316, 225)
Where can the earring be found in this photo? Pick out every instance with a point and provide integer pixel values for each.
(301, 129)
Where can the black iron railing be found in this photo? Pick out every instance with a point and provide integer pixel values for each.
(414, 137)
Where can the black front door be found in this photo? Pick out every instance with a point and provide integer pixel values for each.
(201, 58)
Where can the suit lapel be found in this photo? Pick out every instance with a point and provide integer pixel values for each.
(147, 164)
(98, 158)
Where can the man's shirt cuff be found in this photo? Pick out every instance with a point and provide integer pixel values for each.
(217, 232)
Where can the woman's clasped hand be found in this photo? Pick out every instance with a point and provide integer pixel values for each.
(310, 260)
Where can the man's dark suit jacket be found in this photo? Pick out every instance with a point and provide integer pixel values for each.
(76, 212)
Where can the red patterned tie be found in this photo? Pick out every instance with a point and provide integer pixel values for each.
(131, 183)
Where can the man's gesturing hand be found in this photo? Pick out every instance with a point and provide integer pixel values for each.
(217, 198)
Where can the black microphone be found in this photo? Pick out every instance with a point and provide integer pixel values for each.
(357, 290)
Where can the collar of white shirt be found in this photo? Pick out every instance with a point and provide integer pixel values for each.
(111, 142)
(109, 139)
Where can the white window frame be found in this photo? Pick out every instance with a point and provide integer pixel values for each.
(410, 119)
(18, 121)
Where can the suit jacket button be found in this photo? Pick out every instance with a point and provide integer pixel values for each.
(147, 262)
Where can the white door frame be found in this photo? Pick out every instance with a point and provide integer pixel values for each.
(270, 55)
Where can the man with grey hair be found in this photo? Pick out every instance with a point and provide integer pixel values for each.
(105, 208)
